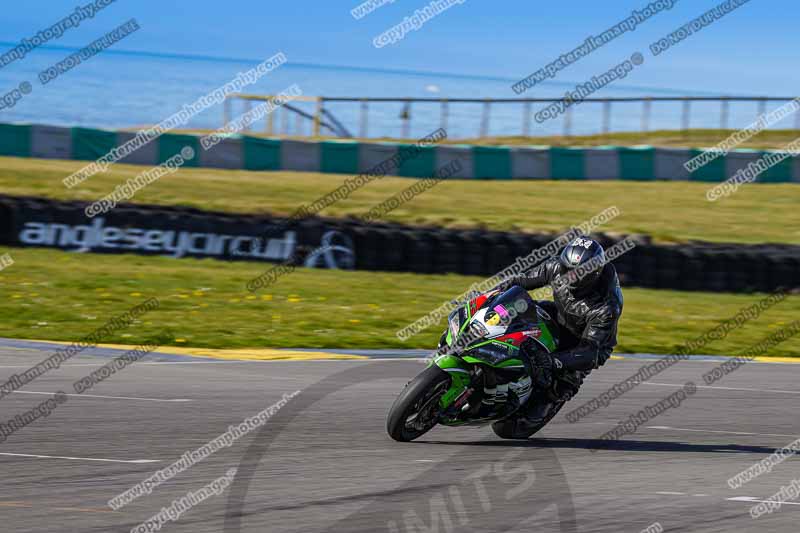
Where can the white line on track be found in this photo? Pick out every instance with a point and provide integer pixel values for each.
(669, 493)
(133, 461)
(753, 499)
(107, 397)
(722, 388)
(669, 428)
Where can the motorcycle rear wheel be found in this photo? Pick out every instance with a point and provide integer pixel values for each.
(516, 427)
(416, 410)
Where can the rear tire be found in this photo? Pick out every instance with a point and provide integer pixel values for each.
(517, 427)
(420, 392)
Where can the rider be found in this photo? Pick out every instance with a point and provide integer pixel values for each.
(587, 306)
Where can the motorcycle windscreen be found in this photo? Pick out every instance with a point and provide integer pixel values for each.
(513, 303)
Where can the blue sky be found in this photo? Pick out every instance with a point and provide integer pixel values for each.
(753, 50)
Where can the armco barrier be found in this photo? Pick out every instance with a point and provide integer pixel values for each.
(188, 232)
(640, 163)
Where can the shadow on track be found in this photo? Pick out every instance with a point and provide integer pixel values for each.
(617, 445)
(490, 493)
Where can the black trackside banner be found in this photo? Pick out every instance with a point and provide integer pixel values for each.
(367, 243)
(152, 230)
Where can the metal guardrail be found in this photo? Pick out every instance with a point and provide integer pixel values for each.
(318, 118)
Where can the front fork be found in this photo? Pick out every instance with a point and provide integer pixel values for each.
(465, 379)
(462, 375)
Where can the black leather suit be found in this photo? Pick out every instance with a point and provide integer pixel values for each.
(588, 320)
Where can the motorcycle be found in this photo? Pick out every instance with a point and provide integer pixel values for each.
(482, 350)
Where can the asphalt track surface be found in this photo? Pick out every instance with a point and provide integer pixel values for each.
(325, 463)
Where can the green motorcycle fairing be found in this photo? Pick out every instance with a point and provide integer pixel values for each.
(500, 352)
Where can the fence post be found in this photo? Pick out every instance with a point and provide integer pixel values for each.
(723, 114)
(405, 116)
(364, 109)
(246, 111)
(762, 106)
(444, 114)
(226, 111)
(568, 122)
(317, 117)
(687, 109)
(526, 119)
(606, 116)
(271, 122)
(485, 119)
(646, 103)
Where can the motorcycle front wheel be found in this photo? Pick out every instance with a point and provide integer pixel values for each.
(416, 410)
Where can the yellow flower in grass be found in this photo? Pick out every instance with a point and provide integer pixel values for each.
(293, 300)
(266, 297)
(354, 321)
(135, 294)
(251, 297)
(180, 340)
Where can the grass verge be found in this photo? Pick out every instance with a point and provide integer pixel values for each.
(54, 295)
(668, 211)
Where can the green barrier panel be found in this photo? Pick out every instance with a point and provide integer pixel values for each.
(713, 171)
(492, 162)
(420, 162)
(779, 173)
(339, 157)
(172, 144)
(89, 144)
(566, 164)
(15, 140)
(637, 163)
(261, 154)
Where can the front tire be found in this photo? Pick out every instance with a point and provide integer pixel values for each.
(416, 410)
